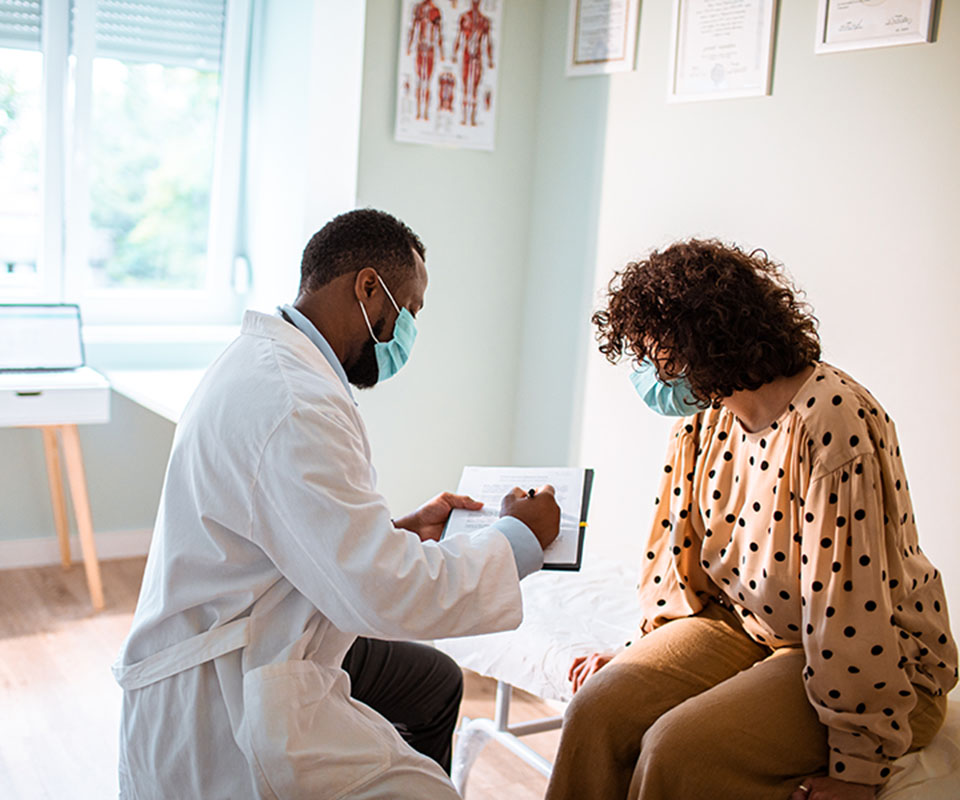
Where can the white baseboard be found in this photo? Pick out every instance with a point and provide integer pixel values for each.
(44, 550)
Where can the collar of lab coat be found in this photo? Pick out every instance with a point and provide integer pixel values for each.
(308, 329)
(256, 323)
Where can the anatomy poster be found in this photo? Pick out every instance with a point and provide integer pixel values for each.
(447, 75)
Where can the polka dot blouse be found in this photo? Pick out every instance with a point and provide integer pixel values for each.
(807, 530)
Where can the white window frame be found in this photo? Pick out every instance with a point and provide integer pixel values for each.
(45, 283)
(62, 269)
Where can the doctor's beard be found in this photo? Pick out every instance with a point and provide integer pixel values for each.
(364, 373)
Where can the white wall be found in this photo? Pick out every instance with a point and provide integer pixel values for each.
(850, 175)
(454, 403)
(303, 123)
(571, 123)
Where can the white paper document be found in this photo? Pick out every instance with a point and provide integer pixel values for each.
(488, 485)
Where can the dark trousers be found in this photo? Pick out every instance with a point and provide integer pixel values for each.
(417, 688)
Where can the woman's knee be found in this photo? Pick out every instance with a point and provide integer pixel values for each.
(582, 711)
(612, 705)
(675, 735)
(665, 766)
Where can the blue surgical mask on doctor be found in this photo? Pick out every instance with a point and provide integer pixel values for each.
(670, 398)
(393, 354)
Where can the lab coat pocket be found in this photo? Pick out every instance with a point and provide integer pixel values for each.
(306, 737)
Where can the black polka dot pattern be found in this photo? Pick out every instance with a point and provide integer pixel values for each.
(792, 523)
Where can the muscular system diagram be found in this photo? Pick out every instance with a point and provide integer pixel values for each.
(427, 29)
(447, 75)
(473, 33)
(448, 90)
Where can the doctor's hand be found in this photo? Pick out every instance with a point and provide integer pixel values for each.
(429, 520)
(539, 513)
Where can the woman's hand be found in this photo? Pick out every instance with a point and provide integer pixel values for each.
(584, 666)
(832, 789)
(429, 520)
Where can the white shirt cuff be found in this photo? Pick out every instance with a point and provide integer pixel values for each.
(526, 548)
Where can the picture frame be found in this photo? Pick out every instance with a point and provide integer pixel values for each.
(602, 36)
(721, 52)
(844, 25)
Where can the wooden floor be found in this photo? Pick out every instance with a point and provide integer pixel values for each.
(59, 705)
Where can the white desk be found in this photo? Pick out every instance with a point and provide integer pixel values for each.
(163, 391)
(56, 402)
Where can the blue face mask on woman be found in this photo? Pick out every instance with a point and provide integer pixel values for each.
(393, 354)
(670, 398)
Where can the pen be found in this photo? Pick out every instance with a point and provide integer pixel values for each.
(531, 493)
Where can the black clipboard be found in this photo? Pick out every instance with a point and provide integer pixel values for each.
(584, 507)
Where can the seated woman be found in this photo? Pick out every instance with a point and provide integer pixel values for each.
(795, 638)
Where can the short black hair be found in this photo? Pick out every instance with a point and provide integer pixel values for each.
(361, 238)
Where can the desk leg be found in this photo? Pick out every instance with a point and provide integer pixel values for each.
(81, 507)
(57, 498)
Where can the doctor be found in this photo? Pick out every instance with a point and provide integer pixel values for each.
(273, 552)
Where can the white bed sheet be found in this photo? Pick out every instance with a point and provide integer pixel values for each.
(934, 772)
(565, 614)
(568, 614)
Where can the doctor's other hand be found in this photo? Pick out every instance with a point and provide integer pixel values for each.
(429, 520)
(539, 513)
(585, 666)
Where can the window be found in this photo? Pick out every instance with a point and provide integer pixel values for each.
(153, 121)
(131, 207)
(21, 127)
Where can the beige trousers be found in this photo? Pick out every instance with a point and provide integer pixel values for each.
(696, 709)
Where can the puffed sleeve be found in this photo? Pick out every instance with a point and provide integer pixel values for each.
(671, 578)
(853, 677)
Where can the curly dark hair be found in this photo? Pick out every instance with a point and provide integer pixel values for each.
(724, 319)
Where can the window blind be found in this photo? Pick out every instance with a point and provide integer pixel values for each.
(169, 32)
(20, 24)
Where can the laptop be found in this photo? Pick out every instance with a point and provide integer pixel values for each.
(40, 338)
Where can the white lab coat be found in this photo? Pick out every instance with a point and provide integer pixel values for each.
(272, 551)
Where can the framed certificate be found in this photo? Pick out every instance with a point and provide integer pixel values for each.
(861, 24)
(721, 50)
(602, 36)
